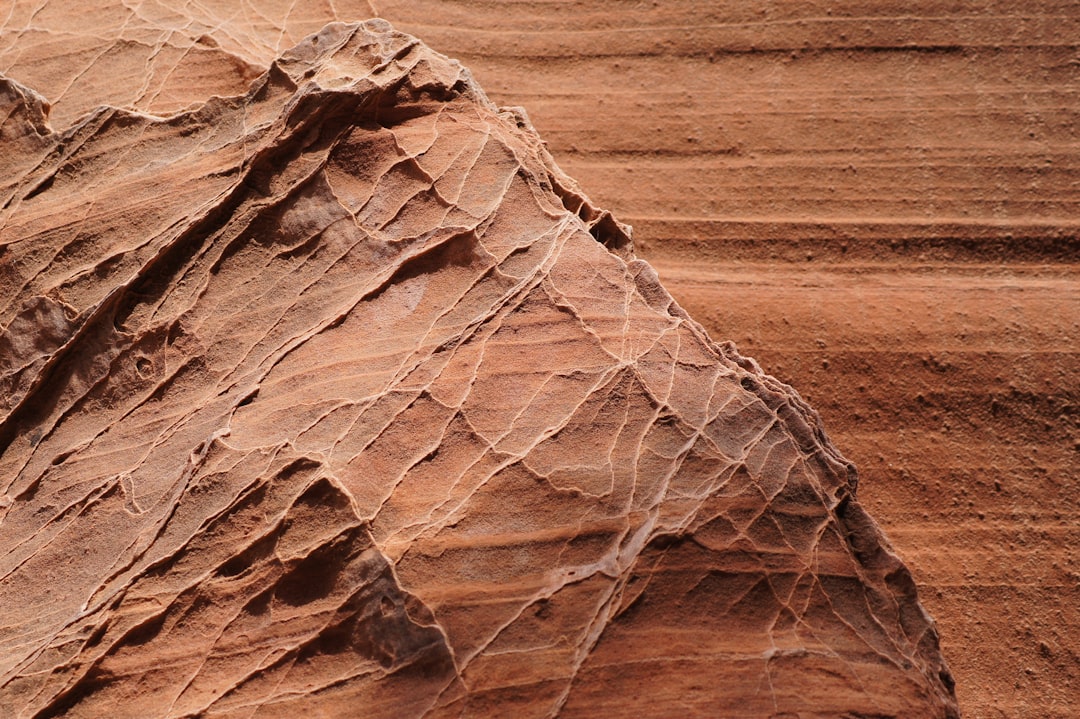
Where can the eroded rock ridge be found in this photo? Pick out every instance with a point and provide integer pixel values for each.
(338, 396)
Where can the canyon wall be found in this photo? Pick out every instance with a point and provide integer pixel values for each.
(877, 201)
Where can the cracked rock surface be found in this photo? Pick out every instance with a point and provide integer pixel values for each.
(337, 396)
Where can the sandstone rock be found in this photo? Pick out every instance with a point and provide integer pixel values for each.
(338, 396)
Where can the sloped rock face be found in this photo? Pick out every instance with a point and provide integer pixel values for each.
(338, 397)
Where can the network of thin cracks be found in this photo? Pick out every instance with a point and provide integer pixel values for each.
(202, 314)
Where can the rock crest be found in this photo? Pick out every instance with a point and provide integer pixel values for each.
(341, 394)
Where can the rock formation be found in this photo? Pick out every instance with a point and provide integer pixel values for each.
(337, 396)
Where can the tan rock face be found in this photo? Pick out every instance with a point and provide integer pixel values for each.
(338, 396)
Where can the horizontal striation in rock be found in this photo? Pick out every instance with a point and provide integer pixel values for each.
(890, 188)
(953, 383)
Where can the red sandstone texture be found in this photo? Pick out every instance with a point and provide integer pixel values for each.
(338, 397)
(876, 200)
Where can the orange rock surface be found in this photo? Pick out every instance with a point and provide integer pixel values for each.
(874, 199)
(337, 396)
